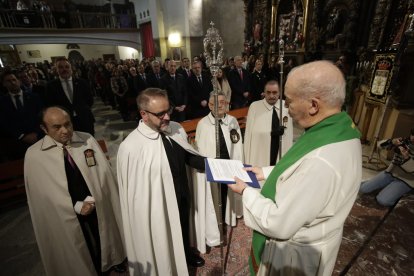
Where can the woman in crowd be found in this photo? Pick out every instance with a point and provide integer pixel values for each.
(223, 85)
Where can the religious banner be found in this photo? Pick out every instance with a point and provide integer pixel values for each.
(381, 78)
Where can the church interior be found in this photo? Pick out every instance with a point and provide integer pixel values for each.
(371, 42)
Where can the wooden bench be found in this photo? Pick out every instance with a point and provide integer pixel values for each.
(12, 191)
(191, 125)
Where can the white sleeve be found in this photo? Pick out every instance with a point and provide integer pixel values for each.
(78, 207)
(301, 199)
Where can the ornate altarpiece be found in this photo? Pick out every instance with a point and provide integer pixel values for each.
(306, 26)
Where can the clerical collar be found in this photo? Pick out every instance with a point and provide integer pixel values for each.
(222, 118)
(270, 107)
(60, 145)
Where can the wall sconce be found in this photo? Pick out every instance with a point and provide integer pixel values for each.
(174, 39)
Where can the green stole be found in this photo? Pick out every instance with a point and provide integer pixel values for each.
(336, 128)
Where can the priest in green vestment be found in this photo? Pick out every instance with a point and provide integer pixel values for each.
(298, 216)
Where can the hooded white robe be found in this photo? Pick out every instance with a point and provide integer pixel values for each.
(154, 243)
(58, 233)
(257, 136)
(207, 231)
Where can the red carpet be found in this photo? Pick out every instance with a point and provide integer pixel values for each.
(236, 259)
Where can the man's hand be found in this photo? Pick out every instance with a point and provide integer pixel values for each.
(257, 171)
(246, 94)
(397, 141)
(238, 187)
(204, 103)
(404, 152)
(87, 208)
(180, 108)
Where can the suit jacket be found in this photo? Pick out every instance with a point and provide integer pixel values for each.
(142, 83)
(183, 72)
(176, 89)
(196, 94)
(153, 81)
(80, 109)
(258, 81)
(238, 87)
(14, 123)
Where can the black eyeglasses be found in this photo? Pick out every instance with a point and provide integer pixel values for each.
(161, 114)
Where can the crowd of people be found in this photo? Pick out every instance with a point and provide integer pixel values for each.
(158, 215)
(118, 83)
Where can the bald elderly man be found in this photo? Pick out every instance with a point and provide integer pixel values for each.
(73, 200)
(298, 215)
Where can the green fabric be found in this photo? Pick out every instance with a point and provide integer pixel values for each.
(336, 128)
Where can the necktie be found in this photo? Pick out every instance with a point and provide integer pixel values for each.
(158, 76)
(68, 158)
(199, 80)
(224, 153)
(188, 72)
(274, 140)
(69, 89)
(241, 73)
(143, 76)
(19, 105)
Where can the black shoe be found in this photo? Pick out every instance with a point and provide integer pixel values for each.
(119, 268)
(195, 260)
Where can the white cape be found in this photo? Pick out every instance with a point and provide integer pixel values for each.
(207, 231)
(58, 233)
(257, 136)
(153, 238)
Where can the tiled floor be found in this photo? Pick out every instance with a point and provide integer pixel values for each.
(19, 254)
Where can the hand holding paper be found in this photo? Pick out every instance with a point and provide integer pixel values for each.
(224, 171)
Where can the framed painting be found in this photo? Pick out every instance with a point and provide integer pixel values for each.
(381, 78)
(176, 53)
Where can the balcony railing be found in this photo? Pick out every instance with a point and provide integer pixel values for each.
(62, 20)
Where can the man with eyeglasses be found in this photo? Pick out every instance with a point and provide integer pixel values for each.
(154, 190)
(207, 194)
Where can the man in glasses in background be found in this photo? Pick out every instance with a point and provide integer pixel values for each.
(154, 191)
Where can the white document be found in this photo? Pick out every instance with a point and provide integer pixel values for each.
(226, 170)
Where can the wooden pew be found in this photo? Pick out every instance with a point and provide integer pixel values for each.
(191, 125)
(12, 191)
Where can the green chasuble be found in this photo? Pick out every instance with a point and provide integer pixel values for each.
(336, 128)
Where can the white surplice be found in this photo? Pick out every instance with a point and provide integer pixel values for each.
(207, 231)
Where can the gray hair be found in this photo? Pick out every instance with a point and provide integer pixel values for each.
(155, 62)
(145, 96)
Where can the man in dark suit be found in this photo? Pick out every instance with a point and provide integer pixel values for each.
(72, 94)
(142, 79)
(155, 76)
(185, 69)
(30, 85)
(176, 87)
(19, 113)
(239, 80)
(199, 87)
